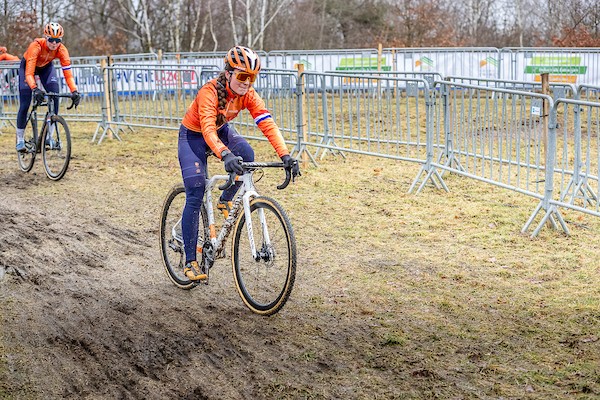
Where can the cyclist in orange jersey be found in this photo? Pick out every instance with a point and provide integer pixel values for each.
(4, 56)
(37, 60)
(205, 127)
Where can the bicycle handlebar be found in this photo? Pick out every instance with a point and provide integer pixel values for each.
(51, 95)
(251, 166)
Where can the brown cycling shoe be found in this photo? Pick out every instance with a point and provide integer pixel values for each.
(193, 272)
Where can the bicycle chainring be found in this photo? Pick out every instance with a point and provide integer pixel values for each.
(208, 258)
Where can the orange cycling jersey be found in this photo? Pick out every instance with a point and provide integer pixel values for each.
(39, 55)
(201, 116)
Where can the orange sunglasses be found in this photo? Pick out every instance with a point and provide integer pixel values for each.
(245, 76)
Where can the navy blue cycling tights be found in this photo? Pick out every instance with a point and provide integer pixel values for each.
(49, 80)
(192, 159)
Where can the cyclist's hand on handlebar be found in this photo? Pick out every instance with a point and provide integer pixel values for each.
(232, 162)
(38, 95)
(291, 164)
(76, 98)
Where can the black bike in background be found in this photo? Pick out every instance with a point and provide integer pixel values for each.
(53, 140)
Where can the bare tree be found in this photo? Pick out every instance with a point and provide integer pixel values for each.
(249, 23)
(137, 12)
(95, 27)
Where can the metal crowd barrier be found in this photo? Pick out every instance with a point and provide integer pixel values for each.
(577, 165)
(489, 134)
(153, 96)
(558, 89)
(503, 133)
(9, 90)
(366, 114)
(497, 136)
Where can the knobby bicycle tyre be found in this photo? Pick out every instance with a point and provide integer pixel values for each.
(56, 150)
(264, 284)
(171, 245)
(27, 159)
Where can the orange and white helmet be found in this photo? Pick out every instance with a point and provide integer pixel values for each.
(243, 59)
(54, 30)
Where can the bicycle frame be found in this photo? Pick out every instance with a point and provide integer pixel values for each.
(50, 112)
(242, 199)
(246, 192)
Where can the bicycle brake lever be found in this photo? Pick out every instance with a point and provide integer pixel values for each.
(229, 183)
(288, 177)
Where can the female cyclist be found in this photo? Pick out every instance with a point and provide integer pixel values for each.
(204, 127)
(37, 60)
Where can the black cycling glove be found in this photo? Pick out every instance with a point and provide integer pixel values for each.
(76, 97)
(232, 162)
(38, 95)
(291, 164)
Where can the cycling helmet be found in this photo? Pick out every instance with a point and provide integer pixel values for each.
(54, 30)
(243, 59)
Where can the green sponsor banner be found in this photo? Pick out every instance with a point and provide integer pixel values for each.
(556, 69)
(360, 64)
(557, 60)
(366, 68)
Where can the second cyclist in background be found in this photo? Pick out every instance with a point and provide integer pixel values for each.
(37, 60)
(205, 127)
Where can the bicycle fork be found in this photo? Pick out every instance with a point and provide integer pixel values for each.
(264, 253)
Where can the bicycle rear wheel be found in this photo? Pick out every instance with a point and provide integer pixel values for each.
(26, 159)
(56, 148)
(171, 240)
(264, 282)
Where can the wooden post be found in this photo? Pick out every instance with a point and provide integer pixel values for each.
(107, 106)
(304, 159)
(545, 111)
(179, 77)
(379, 56)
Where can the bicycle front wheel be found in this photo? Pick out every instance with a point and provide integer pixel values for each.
(265, 280)
(27, 158)
(56, 148)
(171, 238)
